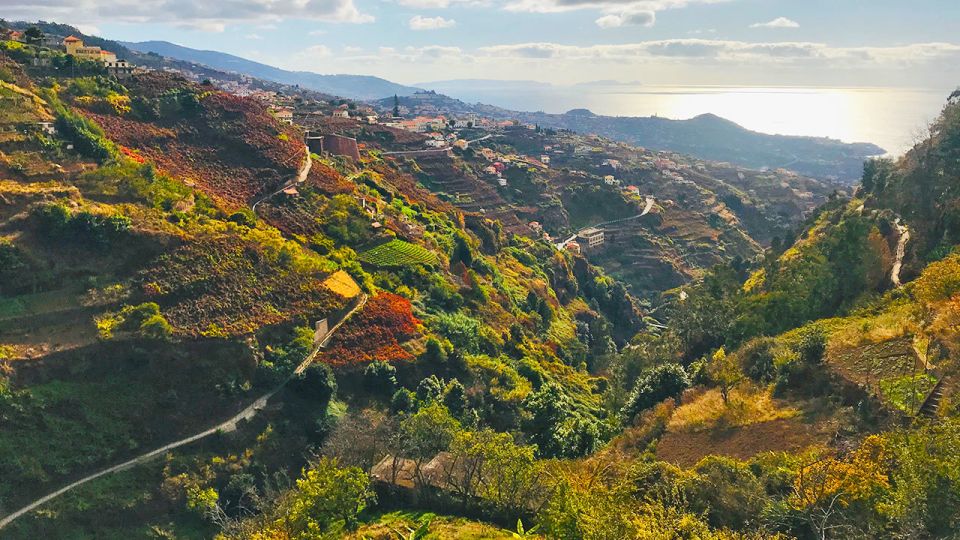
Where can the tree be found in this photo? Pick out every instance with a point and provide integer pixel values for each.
(655, 385)
(427, 432)
(396, 106)
(727, 491)
(455, 398)
(490, 467)
(557, 426)
(316, 382)
(326, 496)
(430, 389)
(33, 35)
(723, 372)
(434, 352)
(403, 401)
(380, 378)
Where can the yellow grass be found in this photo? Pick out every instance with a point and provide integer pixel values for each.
(341, 283)
(10, 187)
(399, 524)
(747, 405)
(897, 321)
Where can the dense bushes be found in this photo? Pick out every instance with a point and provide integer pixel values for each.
(63, 224)
(654, 386)
(558, 426)
(19, 272)
(145, 319)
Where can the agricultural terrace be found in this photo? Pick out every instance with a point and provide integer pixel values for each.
(395, 253)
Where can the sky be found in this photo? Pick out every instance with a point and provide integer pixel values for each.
(864, 43)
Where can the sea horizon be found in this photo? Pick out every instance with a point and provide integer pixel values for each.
(890, 117)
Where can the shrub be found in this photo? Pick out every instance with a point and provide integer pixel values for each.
(156, 327)
(756, 359)
(657, 384)
(403, 401)
(727, 491)
(63, 224)
(812, 345)
(380, 378)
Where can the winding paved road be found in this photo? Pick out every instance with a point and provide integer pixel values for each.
(901, 251)
(229, 425)
(432, 150)
(646, 210)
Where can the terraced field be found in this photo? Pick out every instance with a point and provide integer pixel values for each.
(396, 253)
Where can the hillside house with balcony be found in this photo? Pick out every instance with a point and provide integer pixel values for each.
(75, 47)
(590, 238)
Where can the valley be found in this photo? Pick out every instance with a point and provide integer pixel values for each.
(273, 313)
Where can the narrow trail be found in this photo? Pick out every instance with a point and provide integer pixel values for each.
(646, 210)
(224, 427)
(901, 250)
(299, 179)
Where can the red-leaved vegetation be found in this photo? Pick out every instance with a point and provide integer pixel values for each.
(230, 146)
(375, 333)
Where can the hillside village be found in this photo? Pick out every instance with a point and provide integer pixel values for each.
(238, 310)
(537, 182)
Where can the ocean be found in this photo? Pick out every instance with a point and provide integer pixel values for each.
(892, 118)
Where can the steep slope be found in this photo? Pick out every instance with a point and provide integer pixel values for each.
(129, 248)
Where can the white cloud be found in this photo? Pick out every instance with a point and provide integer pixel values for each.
(207, 26)
(727, 51)
(253, 36)
(89, 29)
(779, 22)
(425, 4)
(628, 18)
(418, 22)
(316, 51)
(443, 4)
(203, 15)
(614, 6)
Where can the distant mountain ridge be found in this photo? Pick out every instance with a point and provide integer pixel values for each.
(353, 86)
(706, 136)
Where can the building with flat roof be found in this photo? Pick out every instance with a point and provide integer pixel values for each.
(591, 237)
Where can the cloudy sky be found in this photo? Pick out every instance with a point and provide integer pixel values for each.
(913, 43)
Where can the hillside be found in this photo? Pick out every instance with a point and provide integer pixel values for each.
(353, 86)
(696, 213)
(206, 332)
(707, 137)
(130, 248)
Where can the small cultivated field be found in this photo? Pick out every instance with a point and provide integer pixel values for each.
(341, 283)
(397, 252)
(750, 423)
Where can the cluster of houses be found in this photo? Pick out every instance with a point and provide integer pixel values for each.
(74, 46)
(501, 162)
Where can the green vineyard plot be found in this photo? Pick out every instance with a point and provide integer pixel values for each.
(397, 253)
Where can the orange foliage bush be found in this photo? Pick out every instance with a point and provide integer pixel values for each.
(374, 334)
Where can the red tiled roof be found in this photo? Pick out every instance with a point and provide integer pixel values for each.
(71, 39)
